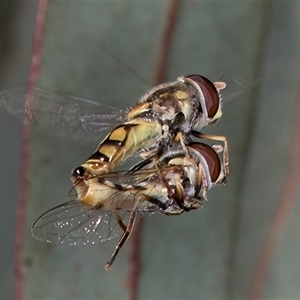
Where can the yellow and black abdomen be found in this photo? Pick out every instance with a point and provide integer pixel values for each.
(122, 142)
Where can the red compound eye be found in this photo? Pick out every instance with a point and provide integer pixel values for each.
(211, 95)
(211, 157)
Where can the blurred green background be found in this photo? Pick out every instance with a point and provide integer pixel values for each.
(254, 47)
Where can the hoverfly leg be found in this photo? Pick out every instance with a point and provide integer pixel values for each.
(147, 153)
(171, 211)
(157, 203)
(183, 142)
(194, 204)
(225, 150)
(197, 202)
(127, 229)
(124, 237)
(120, 222)
(199, 199)
(204, 184)
(165, 208)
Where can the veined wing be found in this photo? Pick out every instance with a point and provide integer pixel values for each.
(73, 224)
(122, 184)
(62, 116)
(134, 181)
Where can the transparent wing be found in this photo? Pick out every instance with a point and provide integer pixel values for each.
(62, 116)
(73, 224)
(138, 178)
(123, 185)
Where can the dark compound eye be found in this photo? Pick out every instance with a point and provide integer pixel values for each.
(211, 95)
(211, 158)
(78, 172)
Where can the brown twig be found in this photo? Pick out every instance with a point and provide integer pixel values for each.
(25, 155)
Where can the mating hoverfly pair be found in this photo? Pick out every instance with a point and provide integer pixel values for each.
(173, 177)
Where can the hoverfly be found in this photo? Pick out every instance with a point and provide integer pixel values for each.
(167, 181)
(107, 205)
(167, 114)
